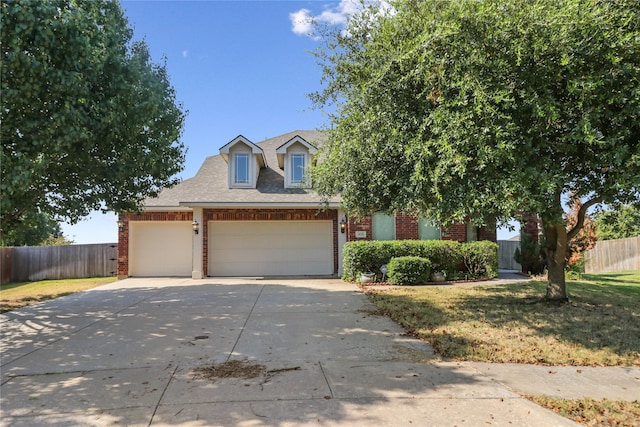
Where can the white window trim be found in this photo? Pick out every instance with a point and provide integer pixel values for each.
(292, 157)
(288, 169)
(232, 171)
(236, 176)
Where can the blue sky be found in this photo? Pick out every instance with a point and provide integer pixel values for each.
(238, 67)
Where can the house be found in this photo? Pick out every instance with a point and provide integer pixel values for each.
(250, 211)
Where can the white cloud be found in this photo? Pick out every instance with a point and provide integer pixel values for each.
(302, 21)
(185, 53)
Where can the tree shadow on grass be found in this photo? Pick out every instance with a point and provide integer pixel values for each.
(513, 323)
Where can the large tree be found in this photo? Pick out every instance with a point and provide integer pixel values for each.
(88, 120)
(35, 229)
(484, 109)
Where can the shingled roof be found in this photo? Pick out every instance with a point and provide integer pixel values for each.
(209, 186)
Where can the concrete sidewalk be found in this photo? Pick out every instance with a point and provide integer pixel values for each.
(125, 354)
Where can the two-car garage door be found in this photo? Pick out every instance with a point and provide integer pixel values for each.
(270, 248)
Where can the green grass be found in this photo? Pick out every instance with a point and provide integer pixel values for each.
(21, 294)
(513, 324)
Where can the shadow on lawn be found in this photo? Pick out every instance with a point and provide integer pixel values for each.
(512, 323)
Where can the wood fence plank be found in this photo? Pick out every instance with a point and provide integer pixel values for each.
(32, 263)
(613, 255)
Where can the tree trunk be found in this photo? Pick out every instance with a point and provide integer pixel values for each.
(555, 252)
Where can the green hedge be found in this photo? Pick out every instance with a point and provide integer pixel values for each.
(480, 259)
(409, 270)
(447, 256)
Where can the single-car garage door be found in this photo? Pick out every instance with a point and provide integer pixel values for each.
(160, 248)
(270, 248)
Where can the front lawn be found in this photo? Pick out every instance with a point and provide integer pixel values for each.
(21, 294)
(512, 324)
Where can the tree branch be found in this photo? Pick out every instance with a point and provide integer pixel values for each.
(581, 215)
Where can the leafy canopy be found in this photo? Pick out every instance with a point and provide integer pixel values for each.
(484, 108)
(88, 120)
(618, 223)
(35, 229)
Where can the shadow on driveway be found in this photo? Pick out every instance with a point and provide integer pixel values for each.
(125, 354)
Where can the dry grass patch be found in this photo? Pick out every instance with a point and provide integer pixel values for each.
(17, 295)
(513, 324)
(600, 413)
(237, 369)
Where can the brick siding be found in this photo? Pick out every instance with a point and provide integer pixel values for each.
(407, 229)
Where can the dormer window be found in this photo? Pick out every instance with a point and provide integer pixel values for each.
(245, 159)
(298, 165)
(294, 157)
(241, 163)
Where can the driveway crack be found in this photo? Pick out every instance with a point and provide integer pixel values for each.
(244, 325)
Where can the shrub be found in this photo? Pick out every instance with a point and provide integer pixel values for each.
(480, 259)
(369, 255)
(409, 270)
(528, 255)
(445, 256)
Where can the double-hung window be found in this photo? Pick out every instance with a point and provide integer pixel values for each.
(241, 175)
(383, 226)
(428, 230)
(297, 168)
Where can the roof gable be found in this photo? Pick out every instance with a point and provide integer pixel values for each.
(224, 150)
(282, 150)
(209, 187)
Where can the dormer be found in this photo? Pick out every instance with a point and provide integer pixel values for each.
(294, 157)
(244, 159)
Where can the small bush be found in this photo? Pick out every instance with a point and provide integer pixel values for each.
(528, 255)
(445, 255)
(480, 259)
(409, 270)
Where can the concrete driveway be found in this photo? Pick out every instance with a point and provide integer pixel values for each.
(128, 353)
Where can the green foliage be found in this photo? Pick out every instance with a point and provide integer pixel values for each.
(35, 229)
(618, 224)
(480, 258)
(484, 109)
(444, 256)
(409, 270)
(528, 255)
(88, 121)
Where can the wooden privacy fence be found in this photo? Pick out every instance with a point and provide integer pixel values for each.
(506, 250)
(29, 263)
(613, 255)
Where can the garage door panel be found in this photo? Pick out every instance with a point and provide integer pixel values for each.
(262, 248)
(160, 248)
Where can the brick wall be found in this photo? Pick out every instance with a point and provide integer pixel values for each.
(407, 229)
(363, 225)
(123, 235)
(455, 232)
(531, 225)
(268, 215)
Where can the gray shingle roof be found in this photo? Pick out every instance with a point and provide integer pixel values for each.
(210, 187)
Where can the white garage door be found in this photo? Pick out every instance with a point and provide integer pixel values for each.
(270, 248)
(160, 248)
